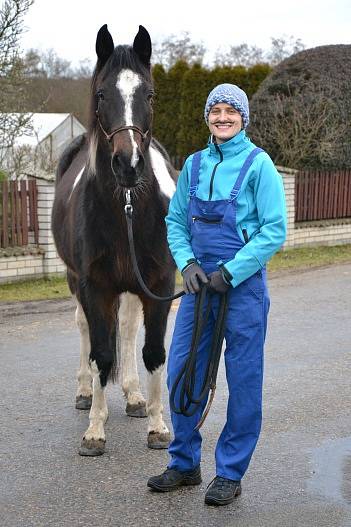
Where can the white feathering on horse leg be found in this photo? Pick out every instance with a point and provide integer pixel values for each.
(129, 316)
(154, 405)
(84, 374)
(98, 412)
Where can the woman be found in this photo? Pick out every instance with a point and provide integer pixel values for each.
(225, 221)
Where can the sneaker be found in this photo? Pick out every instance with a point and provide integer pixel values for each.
(172, 479)
(222, 491)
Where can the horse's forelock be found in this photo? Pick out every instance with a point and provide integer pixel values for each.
(124, 57)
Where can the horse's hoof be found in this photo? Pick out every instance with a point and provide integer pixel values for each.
(92, 447)
(158, 440)
(136, 410)
(83, 402)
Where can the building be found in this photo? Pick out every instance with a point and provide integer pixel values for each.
(35, 153)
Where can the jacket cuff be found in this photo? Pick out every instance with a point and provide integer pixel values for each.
(227, 276)
(188, 263)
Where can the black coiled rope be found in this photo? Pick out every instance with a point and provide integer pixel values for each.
(188, 403)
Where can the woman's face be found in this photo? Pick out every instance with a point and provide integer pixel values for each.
(224, 122)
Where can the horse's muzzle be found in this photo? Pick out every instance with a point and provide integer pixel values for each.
(126, 170)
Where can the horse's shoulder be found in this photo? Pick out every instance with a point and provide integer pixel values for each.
(163, 169)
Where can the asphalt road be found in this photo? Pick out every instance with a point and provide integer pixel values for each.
(300, 475)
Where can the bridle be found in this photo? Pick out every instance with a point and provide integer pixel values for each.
(110, 136)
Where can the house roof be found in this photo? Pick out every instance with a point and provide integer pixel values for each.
(43, 125)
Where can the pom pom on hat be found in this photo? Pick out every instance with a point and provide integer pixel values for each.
(230, 94)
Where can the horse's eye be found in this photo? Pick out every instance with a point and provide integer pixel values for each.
(100, 95)
(150, 98)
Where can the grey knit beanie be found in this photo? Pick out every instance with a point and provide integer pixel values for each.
(230, 94)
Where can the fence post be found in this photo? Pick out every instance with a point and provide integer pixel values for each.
(52, 263)
(288, 175)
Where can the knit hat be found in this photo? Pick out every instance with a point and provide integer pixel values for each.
(231, 94)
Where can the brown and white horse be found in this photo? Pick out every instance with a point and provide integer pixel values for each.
(90, 233)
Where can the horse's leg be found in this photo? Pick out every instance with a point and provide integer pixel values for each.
(84, 391)
(129, 316)
(100, 310)
(155, 319)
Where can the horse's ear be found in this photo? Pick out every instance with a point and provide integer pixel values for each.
(104, 44)
(142, 46)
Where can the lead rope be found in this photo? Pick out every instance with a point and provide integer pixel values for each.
(128, 209)
(188, 372)
(200, 316)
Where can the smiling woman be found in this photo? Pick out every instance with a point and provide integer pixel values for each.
(225, 220)
(224, 122)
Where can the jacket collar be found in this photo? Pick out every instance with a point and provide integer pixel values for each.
(234, 146)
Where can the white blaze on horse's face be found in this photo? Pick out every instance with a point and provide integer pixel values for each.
(127, 83)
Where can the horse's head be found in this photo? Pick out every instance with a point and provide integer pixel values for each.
(122, 93)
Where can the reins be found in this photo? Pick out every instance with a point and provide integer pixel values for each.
(187, 398)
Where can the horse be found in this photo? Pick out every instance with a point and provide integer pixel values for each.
(117, 154)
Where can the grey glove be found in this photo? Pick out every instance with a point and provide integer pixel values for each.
(218, 283)
(193, 275)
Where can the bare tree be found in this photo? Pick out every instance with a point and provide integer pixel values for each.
(173, 49)
(47, 64)
(246, 55)
(243, 55)
(12, 81)
(283, 47)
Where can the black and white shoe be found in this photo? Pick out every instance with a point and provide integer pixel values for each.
(172, 479)
(222, 491)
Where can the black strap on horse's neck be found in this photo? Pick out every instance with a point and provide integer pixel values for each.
(128, 210)
(120, 129)
(188, 371)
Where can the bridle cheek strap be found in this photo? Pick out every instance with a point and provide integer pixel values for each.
(110, 136)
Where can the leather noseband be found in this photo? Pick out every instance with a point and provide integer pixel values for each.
(109, 137)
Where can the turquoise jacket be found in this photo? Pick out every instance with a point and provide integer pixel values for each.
(261, 207)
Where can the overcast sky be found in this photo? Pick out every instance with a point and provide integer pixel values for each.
(70, 26)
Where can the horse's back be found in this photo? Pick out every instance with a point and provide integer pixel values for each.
(72, 159)
(69, 171)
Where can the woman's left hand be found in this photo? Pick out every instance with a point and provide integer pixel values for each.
(217, 282)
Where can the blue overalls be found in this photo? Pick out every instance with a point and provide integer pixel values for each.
(214, 237)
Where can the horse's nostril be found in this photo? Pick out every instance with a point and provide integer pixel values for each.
(140, 164)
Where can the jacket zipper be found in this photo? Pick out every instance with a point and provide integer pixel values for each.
(246, 238)
(205, 220)
(214, 171)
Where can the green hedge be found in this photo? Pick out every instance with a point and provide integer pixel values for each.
(181, 94)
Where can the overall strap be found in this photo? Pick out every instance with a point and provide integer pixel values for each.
(244, 169)
(195, 171)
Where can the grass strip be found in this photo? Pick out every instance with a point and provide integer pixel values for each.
(293, 259)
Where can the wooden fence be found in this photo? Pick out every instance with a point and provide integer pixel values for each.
(322, 195)
(18, 213)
